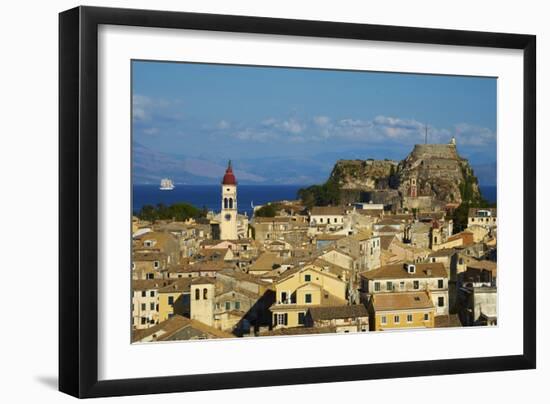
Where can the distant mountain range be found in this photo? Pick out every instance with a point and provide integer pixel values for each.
(150, 166)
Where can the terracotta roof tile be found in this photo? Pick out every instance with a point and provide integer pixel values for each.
(401, 301)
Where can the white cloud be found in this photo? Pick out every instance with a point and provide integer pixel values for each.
(293, 126)
(140, 104)
(473, 135)
(145, 108)
(255, 135)
(269, 122)
(151, 131)
(380, 130)
(223, 124)
(321, 120)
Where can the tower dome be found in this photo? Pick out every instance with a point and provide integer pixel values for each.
(229, 177)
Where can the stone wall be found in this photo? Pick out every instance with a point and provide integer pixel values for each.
(443, 151)
(420, 202)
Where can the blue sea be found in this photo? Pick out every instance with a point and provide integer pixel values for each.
(209, 195)
(489, 192)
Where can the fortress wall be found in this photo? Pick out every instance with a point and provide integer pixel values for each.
(420, 202)
(442, 151)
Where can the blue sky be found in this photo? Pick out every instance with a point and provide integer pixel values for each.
(221, 112)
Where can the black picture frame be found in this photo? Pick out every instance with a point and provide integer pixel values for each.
(78, 200)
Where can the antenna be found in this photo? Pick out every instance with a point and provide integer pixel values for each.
(426, 134)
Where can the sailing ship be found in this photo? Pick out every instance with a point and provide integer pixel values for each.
(166, 184)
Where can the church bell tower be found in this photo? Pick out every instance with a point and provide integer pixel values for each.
(228, 225)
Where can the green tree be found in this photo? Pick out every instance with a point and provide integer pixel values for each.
(471, 198)
(266, 211)
(178, 211)
(321, 195)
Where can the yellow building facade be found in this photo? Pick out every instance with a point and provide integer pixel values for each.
(174, 299)
(298, 290)
(401, 311)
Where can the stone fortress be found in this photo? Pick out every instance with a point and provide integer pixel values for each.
(429, 177)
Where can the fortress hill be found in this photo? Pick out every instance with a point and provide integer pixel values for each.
(430, 176)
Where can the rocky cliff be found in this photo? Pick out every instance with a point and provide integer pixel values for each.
(364, 175)
(434, 172)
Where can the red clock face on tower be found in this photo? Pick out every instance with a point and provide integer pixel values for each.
(227, 217)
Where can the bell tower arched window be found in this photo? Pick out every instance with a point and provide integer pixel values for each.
(225, 203)
(230, 203)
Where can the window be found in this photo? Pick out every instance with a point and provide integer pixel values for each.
(230, 203)
(283, 297)
(156, 264)
(389, 285)
(440, 283)
(143, 307)
(441, 301)
(409, 318)
(383, 320)
(152, 306)
(227, 305)
(281, 319)
(237, 305)
(307, 278)
(426, 316)
(416, 285)
(301, 317)
(308, 297)
(328, 219)
(150, 276)
(205, 293)
(170, 299)
(143, 293)
(402, 285)
(197, 294)
(377, 286)
(152, 294)
(225, 203)
(144, 320)
(396, 319)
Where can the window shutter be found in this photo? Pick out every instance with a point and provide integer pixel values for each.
(286, 318)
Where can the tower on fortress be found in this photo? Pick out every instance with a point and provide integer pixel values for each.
(228, 223)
